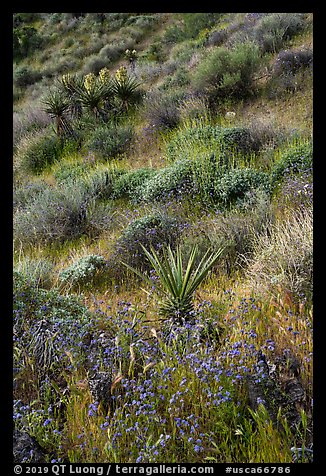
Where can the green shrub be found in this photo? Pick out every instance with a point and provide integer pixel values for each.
(156, 230)
(168, 182)
(273, 30)
(128, 184)
(195, 22)
(25, 40)
(24, 76)
(228, 73)
(109, 141)
(46, 324)
(295, 159)
(202, 141)
(38, 151)
(83, 270)
(232, 186)
(69, 172)
(23, 195)
(101, 184)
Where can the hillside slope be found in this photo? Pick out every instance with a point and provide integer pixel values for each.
(163, 237)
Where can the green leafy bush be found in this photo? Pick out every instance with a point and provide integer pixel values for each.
(234, 184)
(109, 141)
(83, 270)
(195, 22)
(128, 184)
(168, 182)
(295, 159)
(198, 141)
(24, 76)
(273, 30)
(25, 40)
(69, 172)
(38, 151)
(228, 73)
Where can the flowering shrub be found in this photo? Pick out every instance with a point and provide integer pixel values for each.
(233, 185)
(83, 270)
(129, 184)
(167, 182)
(154, 230)
(292, 60)
(294, 159)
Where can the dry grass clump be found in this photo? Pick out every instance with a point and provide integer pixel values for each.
(283, 256)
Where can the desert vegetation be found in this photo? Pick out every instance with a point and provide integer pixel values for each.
(162, 219)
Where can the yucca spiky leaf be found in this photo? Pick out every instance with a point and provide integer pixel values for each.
(177, 286)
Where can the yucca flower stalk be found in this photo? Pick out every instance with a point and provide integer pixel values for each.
(178, 283)
(94, 94)
(125, 88)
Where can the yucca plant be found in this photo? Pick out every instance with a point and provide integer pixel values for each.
(69, 83)
(125, 88)
(178, 283)
(57, 106)
(94, 94)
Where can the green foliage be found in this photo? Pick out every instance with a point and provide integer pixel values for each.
(39, 151)
(196, 140)
(109, 141)
(296, 158)
(126, 91)
(274, 29)
(168, 182)
(56, 104)
(25, 75)
(25, 41)
(195, 22)
(129, 184)
(155, 230)
(69, 172)
(228, 73)
(93, 94)
(83, 270)
(178, 283)
(233, 185)
(44, 321)
(38, 272)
